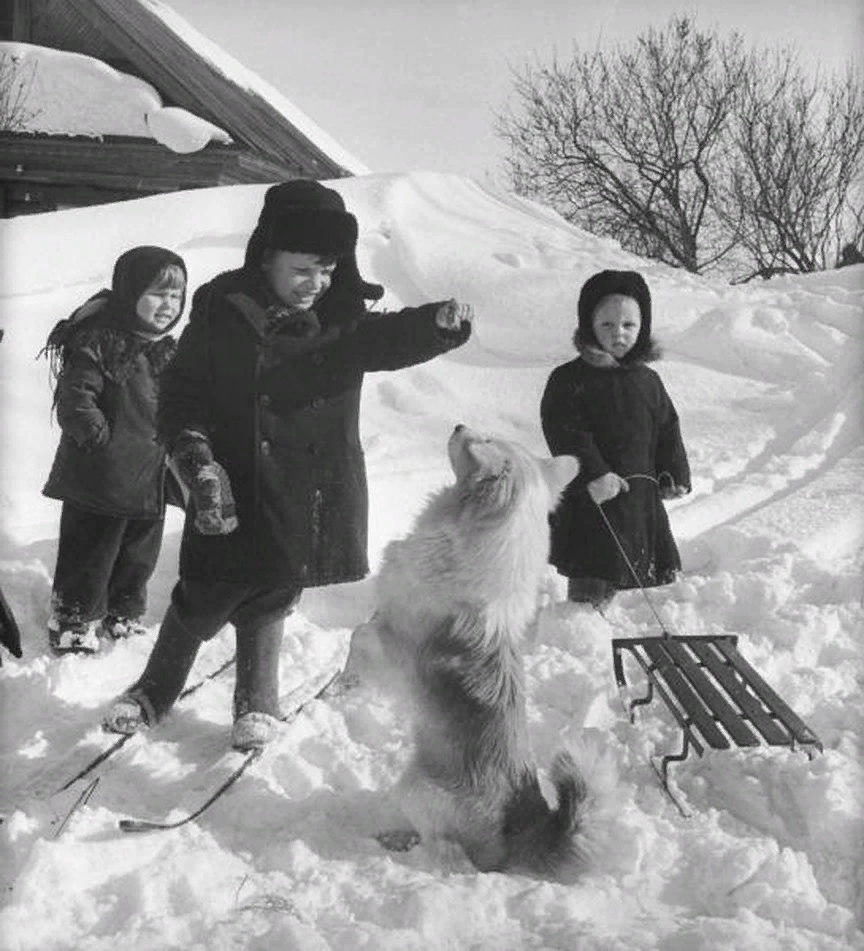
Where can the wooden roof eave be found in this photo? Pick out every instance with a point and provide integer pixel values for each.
(128, 163)
(155, 50)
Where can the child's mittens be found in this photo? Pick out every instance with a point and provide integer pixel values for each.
(453, 316)
(98, 436)
(215, 512)
(208, 484)
(606, 487)
(669, 488)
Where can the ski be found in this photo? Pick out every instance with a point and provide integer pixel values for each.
(120, 741)
(295, 702)
(79, 803)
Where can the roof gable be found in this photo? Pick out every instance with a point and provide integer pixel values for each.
(146, 38)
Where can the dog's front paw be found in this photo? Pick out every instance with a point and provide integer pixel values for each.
(399, 840)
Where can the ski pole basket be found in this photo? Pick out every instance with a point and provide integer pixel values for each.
(716, 697)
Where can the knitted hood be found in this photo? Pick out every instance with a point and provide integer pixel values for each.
(628, 284)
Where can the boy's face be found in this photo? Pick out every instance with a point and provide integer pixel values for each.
(158, 307)
(617, 321)
(298, 280)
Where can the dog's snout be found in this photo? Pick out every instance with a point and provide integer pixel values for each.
(459, 427)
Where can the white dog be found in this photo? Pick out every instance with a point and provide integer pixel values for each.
(453, 599)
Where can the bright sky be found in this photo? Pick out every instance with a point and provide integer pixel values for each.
(415, 84)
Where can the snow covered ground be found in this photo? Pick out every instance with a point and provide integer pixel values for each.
(767, 380)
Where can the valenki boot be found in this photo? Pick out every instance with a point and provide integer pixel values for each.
(257, 716)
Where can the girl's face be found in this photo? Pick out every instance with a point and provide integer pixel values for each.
(160, 305)
(617, 321)
(298, 280)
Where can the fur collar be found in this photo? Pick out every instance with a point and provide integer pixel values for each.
(598, 357)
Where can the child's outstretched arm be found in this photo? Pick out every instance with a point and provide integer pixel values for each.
(391, 341)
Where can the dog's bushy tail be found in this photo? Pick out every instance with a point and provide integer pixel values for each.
(560, 842)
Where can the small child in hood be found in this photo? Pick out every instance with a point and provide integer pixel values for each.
(109, 470)
(612, 411)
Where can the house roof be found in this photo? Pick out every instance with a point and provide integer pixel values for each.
(148, 39)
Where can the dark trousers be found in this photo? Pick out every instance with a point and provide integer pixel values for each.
(198, 611)
(103, 564)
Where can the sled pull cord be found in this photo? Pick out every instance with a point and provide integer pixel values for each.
(632, 570)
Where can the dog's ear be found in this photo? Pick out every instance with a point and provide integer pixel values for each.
(560, 472)
(489, 458)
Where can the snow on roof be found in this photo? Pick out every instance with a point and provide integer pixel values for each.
(237, 73)
(63, 93)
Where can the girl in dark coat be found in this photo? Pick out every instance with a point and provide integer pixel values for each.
(260, 411)
(109, 470)
(612, 411)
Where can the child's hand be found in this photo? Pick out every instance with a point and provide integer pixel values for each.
(207, 482)
(669, 488)
(451, 315)
(607, 487)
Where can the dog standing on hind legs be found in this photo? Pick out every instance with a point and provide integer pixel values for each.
(454, 598)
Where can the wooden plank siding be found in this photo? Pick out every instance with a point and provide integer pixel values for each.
(132, 164)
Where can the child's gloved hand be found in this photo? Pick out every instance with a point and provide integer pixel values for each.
(607, 487)
(451, 315)
(669, 489)
(208, 485)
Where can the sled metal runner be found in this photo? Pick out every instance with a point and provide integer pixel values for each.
(717, 698)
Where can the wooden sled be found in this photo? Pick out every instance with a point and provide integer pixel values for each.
(715, 695)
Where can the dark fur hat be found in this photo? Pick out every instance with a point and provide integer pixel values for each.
(603, 284)
(307, 217)
(325, 233)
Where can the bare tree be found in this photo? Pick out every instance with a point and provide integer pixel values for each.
(15, 85)
(795, 193)
(687, 148)
(629, 143)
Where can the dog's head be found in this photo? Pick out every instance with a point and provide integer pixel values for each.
(494, 474)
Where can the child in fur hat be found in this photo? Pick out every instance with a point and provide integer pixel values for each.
(612, 411)
(109, 471)
(265, 394)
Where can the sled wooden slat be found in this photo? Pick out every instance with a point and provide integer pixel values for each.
(726, 713)
(770, 729)
(707, 684)
(663, 663)
(799, 729)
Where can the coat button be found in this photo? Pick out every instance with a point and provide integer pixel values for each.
(265, 447)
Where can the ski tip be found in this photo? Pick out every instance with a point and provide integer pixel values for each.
(138, 825)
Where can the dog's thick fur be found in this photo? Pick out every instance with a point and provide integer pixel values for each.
(453, 599)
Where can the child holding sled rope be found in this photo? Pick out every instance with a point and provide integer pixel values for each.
(612, 411)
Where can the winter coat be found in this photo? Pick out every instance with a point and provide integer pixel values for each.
(107, 367)
(614, 418)
(280, 409)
